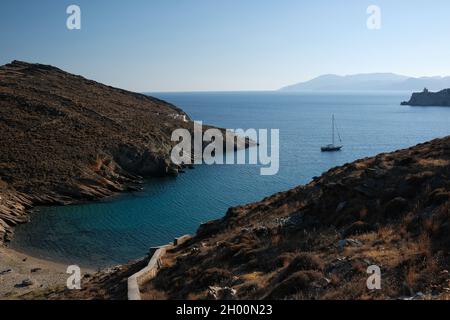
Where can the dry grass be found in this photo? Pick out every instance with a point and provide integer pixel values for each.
(430, 162)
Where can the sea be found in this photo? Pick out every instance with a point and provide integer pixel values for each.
(123, 228)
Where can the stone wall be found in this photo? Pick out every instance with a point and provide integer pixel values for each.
(150, 271)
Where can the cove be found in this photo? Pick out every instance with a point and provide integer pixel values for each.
(112, 232)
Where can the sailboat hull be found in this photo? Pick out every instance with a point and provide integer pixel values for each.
(331, 148)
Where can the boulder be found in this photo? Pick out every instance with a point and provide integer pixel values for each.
(221, 293)
(25, 283)
(395, 207)
(358, 227)
(438, 196)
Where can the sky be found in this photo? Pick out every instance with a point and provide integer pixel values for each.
(226, 45)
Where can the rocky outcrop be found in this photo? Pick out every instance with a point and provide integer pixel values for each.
(13, 210)
(65, 139)
(427, 98)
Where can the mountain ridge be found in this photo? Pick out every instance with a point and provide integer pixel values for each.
(369, 82)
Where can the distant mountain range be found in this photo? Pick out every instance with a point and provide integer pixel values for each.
(370, 81)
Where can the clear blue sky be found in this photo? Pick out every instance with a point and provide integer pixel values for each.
(190, 45)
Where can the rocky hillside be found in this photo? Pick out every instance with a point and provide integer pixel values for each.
(316, 241)
(64, 139)
(427, 98)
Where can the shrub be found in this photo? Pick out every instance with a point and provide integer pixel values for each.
(301, 281)
(302, 262)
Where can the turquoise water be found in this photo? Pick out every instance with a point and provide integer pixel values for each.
(107, 233)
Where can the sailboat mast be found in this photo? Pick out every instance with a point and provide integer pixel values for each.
(332, 129)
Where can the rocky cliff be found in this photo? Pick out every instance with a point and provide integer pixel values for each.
(65, 139)
(427, 98)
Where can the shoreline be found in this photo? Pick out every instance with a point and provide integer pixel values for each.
(59, 262)
(45, 256)
(22, 274)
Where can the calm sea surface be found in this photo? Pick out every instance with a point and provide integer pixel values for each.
(107, 233)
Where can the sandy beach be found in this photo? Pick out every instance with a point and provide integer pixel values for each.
(21, 274)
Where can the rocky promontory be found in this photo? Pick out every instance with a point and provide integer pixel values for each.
(66, 139)
(427, 98)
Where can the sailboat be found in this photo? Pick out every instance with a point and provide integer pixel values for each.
(333, 147)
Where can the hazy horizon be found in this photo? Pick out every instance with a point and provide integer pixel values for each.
(192, 46)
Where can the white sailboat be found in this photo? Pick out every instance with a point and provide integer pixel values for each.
(333, 147)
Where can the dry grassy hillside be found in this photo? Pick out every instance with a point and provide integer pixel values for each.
(64, 138)
(316, 241)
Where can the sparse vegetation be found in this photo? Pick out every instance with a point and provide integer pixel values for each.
(316, 241)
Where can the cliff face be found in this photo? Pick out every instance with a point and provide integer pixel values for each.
(317, 241)
(427, 98)
(64, 139)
